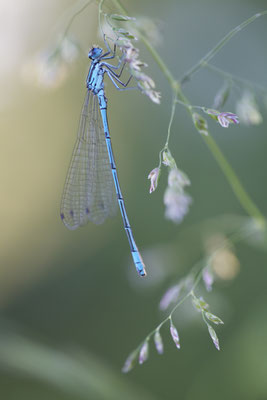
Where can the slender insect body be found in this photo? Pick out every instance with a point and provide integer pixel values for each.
(89, 188)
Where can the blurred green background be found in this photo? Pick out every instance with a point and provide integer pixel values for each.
(72, 307)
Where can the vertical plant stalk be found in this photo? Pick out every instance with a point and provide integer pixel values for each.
(242, 196)
(233, 180)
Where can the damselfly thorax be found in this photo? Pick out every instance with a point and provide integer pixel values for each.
(92, 176)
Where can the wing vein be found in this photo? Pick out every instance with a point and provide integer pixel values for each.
(89, 192)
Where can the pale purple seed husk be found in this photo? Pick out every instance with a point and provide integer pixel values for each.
(170, 296)
(143, 355)
(223, 121)
(129, 363)
(158, 342)
(214, 337)
(175, 335)
(208, 279)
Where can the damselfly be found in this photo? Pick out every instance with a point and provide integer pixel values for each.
(89, 190)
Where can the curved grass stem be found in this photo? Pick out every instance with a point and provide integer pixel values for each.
(204, 60)
(242, 196)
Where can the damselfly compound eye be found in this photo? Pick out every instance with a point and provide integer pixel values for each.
(95, 53)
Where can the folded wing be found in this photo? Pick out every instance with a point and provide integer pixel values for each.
(89, 192)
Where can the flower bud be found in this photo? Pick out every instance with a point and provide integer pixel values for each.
(153, 176)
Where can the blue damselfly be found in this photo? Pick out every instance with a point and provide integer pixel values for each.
(89, 189)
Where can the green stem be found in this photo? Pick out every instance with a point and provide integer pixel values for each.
(219, 46)
(233, 180)
(240, 193)
(197, 273)
(231, 77)
(79, 11)
(173, 83)
(174, 101)
(182, 300)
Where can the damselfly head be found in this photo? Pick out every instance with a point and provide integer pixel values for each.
(95, 53)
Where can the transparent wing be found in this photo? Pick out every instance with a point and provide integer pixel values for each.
(89, 192)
